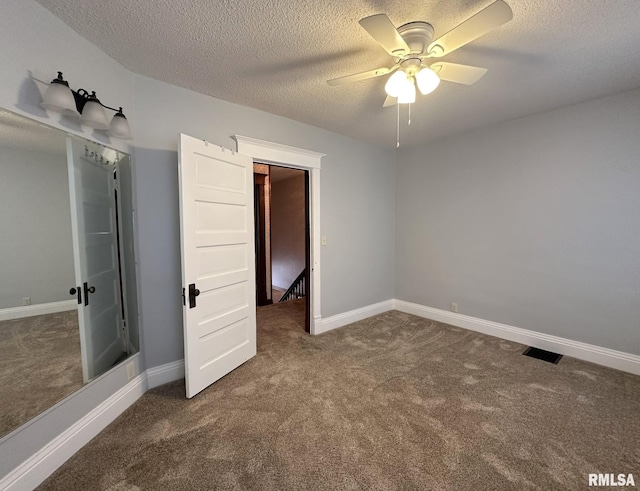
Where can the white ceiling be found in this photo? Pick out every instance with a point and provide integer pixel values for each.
(277, 55)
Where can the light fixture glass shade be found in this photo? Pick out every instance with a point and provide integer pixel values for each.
(93, 115)
(407, 93)
(119, 126)
(427, 80)
(394, 85)
(59, 98)
(109, 154)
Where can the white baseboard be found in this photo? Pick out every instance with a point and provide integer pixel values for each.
(165, 373)
(339, 320)
(38, 309)
(37, 468)
(587, 352)
(316, 324)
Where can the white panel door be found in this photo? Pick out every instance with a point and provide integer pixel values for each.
(93, 220)
(218, 265)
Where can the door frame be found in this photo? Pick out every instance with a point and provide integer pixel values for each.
(260, 221)
(297, 158)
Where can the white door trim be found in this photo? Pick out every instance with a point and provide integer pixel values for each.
(299, 158)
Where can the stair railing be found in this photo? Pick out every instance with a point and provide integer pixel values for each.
(298, 288)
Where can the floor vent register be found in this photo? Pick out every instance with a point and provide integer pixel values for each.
(543, 355)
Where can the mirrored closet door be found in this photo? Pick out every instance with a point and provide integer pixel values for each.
(67, 277)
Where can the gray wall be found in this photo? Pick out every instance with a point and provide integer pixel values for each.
(357, 210)
(357, 191)
(35, 219)
(287, 230)
(34, 46)
(533, 223)
(357, 183)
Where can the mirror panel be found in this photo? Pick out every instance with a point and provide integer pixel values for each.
(68, 309)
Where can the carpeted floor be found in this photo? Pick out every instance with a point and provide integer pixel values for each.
(391, 402)
(39, 365)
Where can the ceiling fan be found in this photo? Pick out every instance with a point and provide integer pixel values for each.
(412, 46)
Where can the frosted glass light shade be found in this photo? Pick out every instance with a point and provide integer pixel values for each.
(59, 98)
(109, 154)
(427, 80)
(93, 115)
(119, 127)
(394, 85)
(407, 93)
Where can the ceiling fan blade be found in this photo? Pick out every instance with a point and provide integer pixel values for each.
(460, 74)
(356, 77)
(390, 101)
(381, 29)
(493, 16)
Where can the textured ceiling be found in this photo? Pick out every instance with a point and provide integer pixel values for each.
(277, 55)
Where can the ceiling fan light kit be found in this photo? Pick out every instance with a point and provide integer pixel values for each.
(396, 83)
(411, 44)
(427, 80)
(408, 93)
(402, 83)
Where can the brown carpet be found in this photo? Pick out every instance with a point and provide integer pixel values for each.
(39, 365)
(392, 402)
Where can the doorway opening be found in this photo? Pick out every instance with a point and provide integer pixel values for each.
(282, 236)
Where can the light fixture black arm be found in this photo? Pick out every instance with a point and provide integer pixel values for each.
(82, 96)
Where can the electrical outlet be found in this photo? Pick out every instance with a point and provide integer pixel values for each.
(26, 300)
(454, 307)
(131, 371)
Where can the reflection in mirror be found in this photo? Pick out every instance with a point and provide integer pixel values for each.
(68, 309)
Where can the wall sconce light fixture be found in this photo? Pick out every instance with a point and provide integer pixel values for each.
(60, 98)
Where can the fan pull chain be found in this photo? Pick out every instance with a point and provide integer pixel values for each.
(398, 128)
(409, 123)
